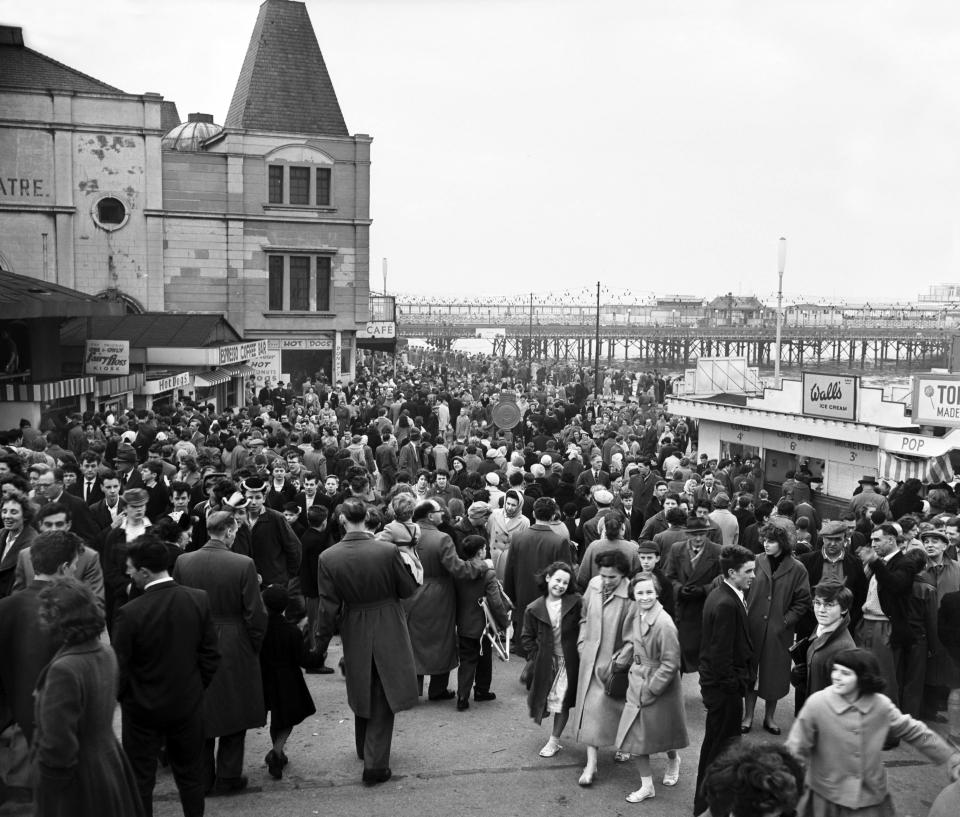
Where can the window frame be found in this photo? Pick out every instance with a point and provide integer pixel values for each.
(314, 172)
(319, 265)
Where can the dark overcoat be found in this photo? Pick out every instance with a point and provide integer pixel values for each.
(821, 651)
(537, 641)
(8, 565)
(532, 550)
(691, 585)
(653, 719)
(282, 656)
(361, 581)
(234, 700)
(471, 620)
(79, 767)
(432, 611)
(775, 604)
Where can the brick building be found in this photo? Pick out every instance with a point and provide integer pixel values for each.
(264, 220)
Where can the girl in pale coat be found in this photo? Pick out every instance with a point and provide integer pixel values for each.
(653, 719)
(840, 732)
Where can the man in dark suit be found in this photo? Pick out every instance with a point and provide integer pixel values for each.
(88, 486)
(361, 581)
(27, 647)
(885, 628)
(50, 486)
(167, 654)
(724, 658)
(832, 561)
(106, 510)
(594, 475)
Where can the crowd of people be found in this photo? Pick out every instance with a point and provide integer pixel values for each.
(222, 550)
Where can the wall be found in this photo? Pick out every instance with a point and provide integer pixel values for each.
(65, 151)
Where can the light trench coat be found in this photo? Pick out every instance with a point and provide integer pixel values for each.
(653, 719)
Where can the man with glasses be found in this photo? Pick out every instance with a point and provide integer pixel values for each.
(885, 629)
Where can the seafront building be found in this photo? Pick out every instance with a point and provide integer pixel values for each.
(233, 250)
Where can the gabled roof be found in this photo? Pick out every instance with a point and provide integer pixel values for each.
(23, 297)
(284, 85)
(153, 329)
(22, 67)
(735, 302)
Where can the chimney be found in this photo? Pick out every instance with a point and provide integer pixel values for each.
(200, 117)
(11, 35)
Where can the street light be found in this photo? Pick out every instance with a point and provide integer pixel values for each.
(781, 263)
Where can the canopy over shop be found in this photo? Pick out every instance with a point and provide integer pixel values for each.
(827, 424)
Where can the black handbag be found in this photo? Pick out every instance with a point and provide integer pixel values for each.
(617, 682)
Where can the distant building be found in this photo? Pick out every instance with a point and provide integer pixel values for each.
(735, 310)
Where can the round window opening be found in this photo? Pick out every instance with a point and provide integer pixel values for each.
(110, 213)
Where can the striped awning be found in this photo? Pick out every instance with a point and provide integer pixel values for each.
(119, 385)
(239, 370)
(929, 470)
(46, 392)
(214, 378)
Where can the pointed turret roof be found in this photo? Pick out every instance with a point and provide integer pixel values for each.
(284, 85)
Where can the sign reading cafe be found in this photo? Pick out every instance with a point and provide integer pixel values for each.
(107, 357)
(833, 396)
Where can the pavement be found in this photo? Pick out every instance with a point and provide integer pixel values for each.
(483, 762)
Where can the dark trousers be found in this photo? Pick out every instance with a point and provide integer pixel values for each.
(184, 739)
(911, 674)
(438, 684)
(476, 667)
(374, 735)
(724, 713)
(229, 758)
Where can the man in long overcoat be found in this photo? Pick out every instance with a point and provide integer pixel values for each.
(691, 566)
(233, 702)
(534, 549)
(361, 581)
(432, 612)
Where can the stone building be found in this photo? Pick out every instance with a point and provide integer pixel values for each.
(264, 220)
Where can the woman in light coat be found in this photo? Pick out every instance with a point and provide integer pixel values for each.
(604, 608)
(777, 600)
(653, 719)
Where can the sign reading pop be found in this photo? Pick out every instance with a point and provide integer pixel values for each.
(936, 400)
(107, 357)
(833, 396)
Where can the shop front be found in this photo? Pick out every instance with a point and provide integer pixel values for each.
(45, 405)
(115, 395)
(815, 426)
(162, 391)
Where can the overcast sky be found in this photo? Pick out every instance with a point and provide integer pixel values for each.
(653, 146)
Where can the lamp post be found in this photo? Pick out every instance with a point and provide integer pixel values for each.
(781, 263)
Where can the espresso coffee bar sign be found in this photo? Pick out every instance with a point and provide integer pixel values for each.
(833, 396)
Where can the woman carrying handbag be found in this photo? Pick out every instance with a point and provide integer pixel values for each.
(653, 719)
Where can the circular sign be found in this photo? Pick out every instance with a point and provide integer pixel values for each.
(506, 413)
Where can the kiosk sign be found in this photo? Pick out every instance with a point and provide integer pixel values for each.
(107, 357)
(936, 400)
(833, 396)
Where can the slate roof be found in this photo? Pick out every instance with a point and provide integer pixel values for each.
(22, 67)
(735, 302)
(169, 115)
(284, 85)
(153, 329)
(23, 297)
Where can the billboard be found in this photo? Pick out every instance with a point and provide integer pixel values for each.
(936, 400)
(107, 357)
(833, 396)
